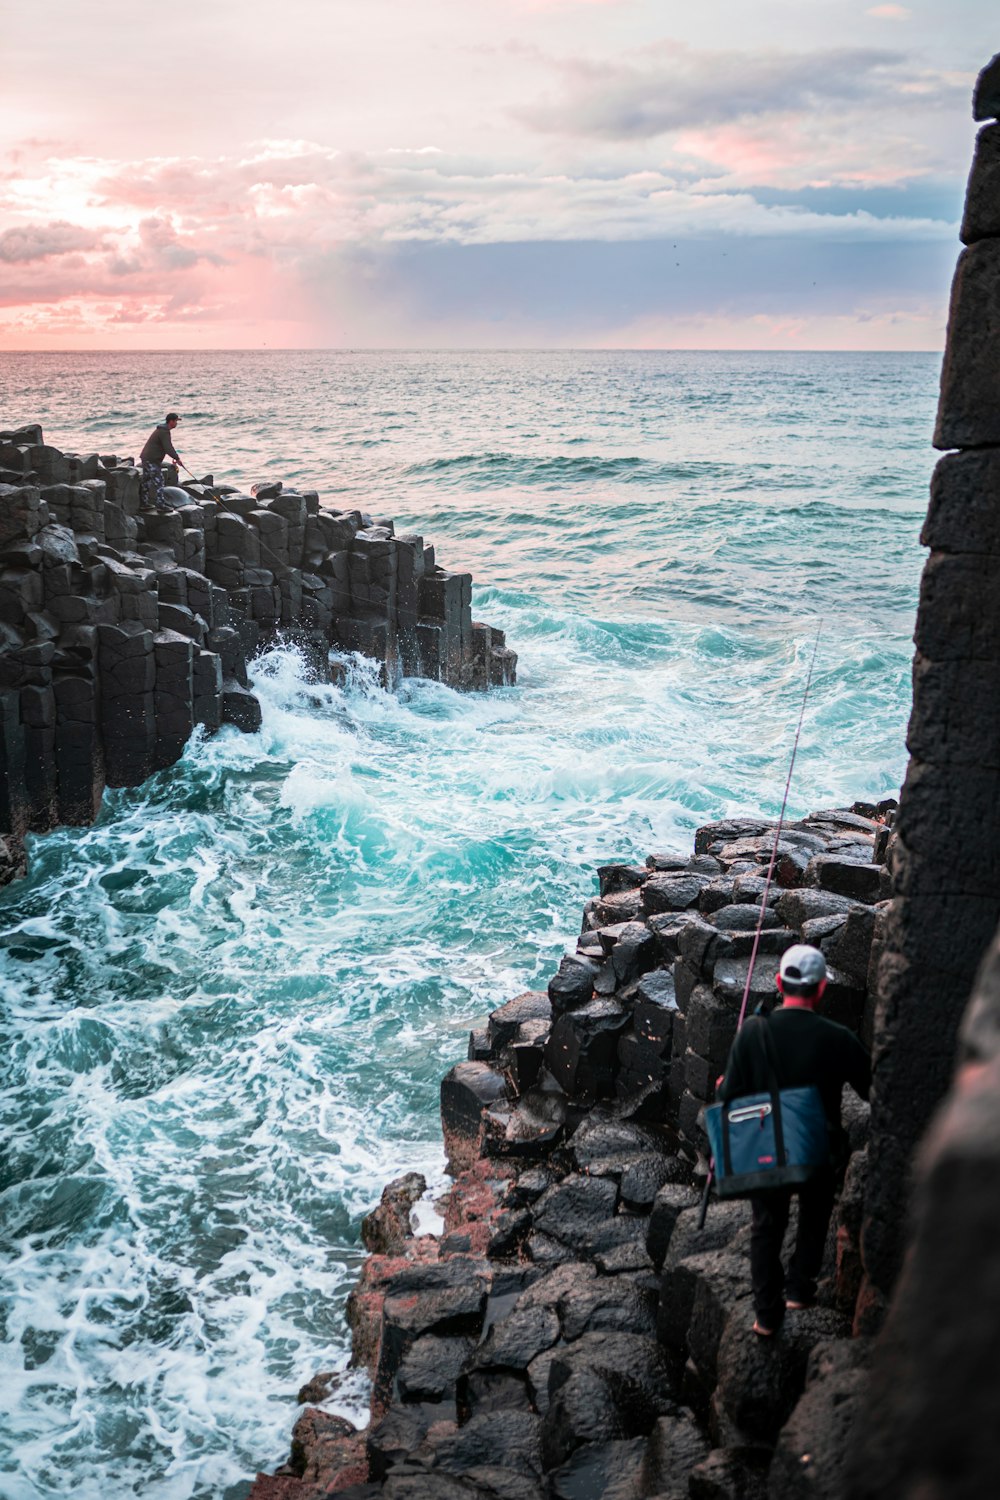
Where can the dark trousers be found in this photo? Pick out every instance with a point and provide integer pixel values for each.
(770, 1220)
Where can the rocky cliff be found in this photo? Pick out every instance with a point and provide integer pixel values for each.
(572, 1334)
(122, 629)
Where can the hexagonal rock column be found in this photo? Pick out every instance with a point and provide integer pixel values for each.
(947, 859)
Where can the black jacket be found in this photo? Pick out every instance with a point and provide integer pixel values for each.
(808, 1049)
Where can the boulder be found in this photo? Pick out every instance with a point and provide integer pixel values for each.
(431, 1367)
(573, 1210)
(760, 1380)
(386, 1229)
(811, 1453)
(610, 1470)
(985, 97)
(573, 985)
(467, 1090)
(502, 1439)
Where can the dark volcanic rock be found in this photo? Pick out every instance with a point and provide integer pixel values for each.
(760, 1380)
(431, 1367)
(574, 1210)
(466, 1091)
(520, 1337)
(573, 985)
(602, 1471)
(501, 1439)
(810, 1458)
(604, 1386)
(986, 96)
(387, 1227)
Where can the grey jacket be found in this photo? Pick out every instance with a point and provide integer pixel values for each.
(159, 445)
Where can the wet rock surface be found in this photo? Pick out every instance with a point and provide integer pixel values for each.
(123, 629)
(572, 1332)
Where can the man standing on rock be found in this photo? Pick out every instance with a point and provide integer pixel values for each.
(808, 1049)
(159, 445)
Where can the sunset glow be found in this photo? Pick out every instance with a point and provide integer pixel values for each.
(320, 180)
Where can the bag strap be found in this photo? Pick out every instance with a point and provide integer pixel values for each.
(771, 1063)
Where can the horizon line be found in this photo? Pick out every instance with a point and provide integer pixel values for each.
(477, 349)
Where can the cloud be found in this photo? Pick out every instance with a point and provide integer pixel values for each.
(31, 242)
(233, 241)
(890, 12)
(674, 87)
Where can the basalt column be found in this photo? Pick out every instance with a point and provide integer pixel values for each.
(947, 854)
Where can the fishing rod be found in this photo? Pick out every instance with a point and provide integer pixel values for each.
(767, 887)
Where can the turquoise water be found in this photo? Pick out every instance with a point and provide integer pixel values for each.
(227, 1006)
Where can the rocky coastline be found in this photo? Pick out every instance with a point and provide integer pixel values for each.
(124, 629)
(571, 1332)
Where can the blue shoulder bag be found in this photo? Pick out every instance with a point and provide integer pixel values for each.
(768, 1140)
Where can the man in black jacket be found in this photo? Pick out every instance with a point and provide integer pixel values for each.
(808, 1049)
(158, 446)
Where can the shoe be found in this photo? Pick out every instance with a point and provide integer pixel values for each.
(800, 1306)
(764, 1330)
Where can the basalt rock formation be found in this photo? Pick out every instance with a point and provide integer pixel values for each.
(123, 629)
(948, 905)
(572, 1332)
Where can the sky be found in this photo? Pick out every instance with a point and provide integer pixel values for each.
(484, 173)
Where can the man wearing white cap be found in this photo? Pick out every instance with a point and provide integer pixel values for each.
(808, 1049)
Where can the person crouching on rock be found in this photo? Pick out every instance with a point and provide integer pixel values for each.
(808, 1049)
(158, 446)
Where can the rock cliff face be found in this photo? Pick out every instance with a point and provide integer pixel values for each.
(123, 629)
(946, 866)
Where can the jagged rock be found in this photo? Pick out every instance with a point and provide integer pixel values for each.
(582, 1049)
(760, 1380)
(614, 879)
(398, 1434)
(500, 1439)
(466, 1091)
(611, 1304)
(431, 1367)
(519, 1338)
(385, 1230)
(731, 1474)
(670, 1202)
(504, 1023)
(862, 881)
(240, 708)
(804, 905)
(318, 1446)
(612, 1471)
(318, 1388)
(810, 1457)
(573, 985)
(676, 1446)
(573, 1210)
(671, 893)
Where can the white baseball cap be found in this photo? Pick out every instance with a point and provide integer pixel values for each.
(803, 966)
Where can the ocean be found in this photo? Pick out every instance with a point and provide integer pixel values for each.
(226, 1008)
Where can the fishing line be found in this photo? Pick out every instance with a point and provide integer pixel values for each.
(767, 887)
(777, 832)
